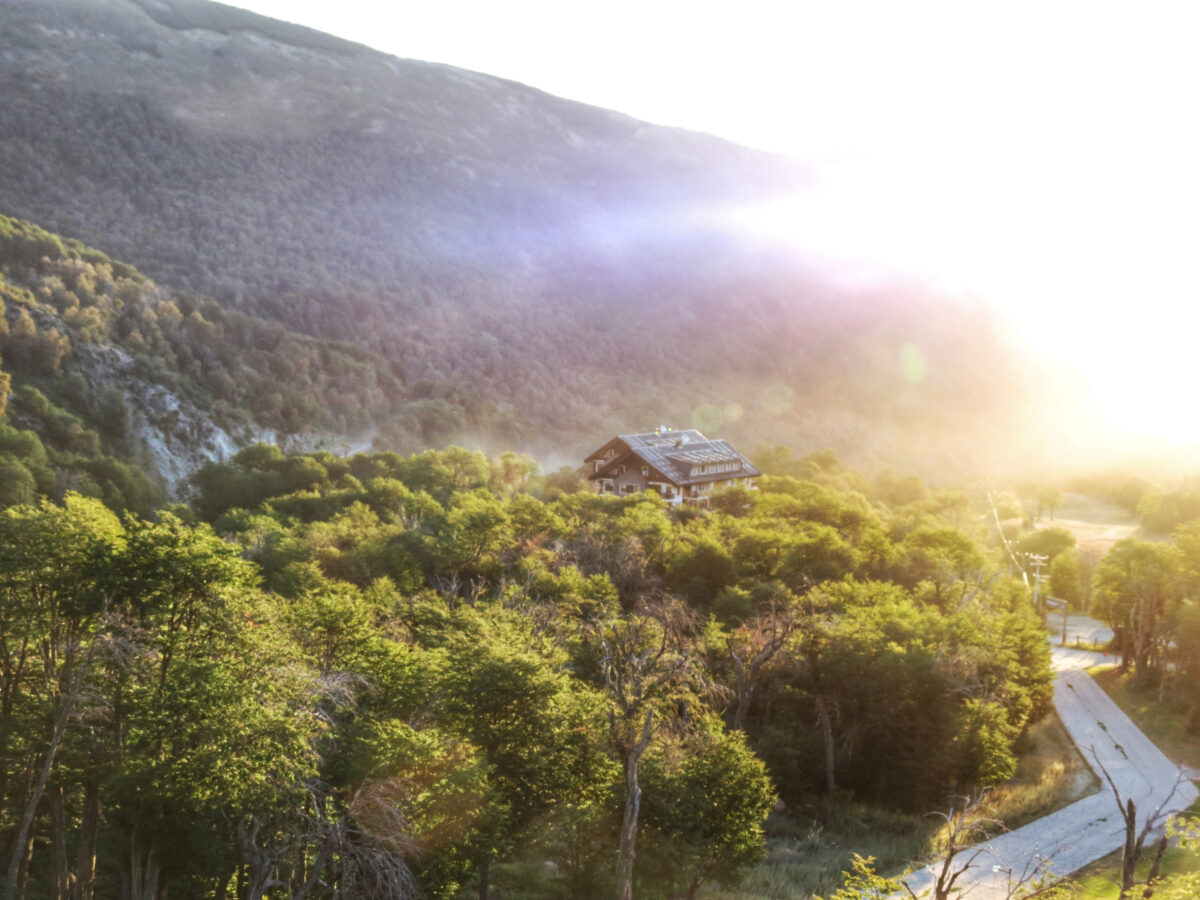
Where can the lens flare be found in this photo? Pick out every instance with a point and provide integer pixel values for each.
(777, 399)
(707, 418)
(912, 363)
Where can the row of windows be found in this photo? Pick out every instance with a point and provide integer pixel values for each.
(606, 486)
(620, 469)
(732, 465)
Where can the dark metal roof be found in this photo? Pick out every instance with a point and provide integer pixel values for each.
(676, 453)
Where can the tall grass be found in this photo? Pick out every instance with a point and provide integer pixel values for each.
(806, 858)
(1051, 773)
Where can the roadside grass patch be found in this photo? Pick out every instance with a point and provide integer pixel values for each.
(1051, 773)
(1164, 723)
(1101, 880)
(1082, 645)
(806, 854)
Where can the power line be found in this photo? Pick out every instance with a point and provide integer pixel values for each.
(1004, 540)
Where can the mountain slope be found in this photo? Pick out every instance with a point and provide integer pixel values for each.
(538, 271)
(109, 368)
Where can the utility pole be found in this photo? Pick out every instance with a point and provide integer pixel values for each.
(1037, 562)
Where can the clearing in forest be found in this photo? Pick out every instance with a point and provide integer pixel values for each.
(1095, 523)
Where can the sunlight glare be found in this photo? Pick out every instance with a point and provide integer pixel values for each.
(1094, 273)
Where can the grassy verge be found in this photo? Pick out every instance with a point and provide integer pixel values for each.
(1051, 774)
(1164, 724)
(808, 857)
(1101, 880)
(1077, 644)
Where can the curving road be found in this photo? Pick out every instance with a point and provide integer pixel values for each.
(1083, 832)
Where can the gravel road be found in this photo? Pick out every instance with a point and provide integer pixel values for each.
(1076, 835)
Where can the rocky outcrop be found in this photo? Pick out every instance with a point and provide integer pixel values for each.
(172, 434)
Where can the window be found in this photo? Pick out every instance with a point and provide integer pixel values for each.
(628, 488)
(606, 486)
(645, 471)
(597, 466)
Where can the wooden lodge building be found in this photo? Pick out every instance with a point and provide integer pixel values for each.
(682, 466)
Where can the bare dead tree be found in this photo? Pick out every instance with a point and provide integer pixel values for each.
(362, 847)
(964, 823)
(376, 843)
(454, 589)
(260, 863)
(648, 675)
(966, 830)
(1135, 839)
(754, 645)
(812, 640)
(967, 834)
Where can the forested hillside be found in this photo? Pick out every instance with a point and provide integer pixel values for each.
(537, 272)
(388, 676)
(272, 627)
(121, 388)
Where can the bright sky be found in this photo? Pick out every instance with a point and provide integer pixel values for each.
(1045, 154)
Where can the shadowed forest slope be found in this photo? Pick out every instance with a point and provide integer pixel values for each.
(535, 270)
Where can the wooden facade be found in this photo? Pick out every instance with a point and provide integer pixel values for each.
(681, 466)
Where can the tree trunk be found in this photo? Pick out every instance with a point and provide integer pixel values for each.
(1155, 868)
(1129, 856)
(35, 797)
(629, 819)
(300, 869)
(629, 823)
(23, 870)
(827, 736)
(145, 872)
(222, 890)
(85, 867)
(483, 878)
(314, 873)
(745, 692)
(258, 860)
(60, 877)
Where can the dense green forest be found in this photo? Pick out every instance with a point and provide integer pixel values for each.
(382, 675)
(231, 670)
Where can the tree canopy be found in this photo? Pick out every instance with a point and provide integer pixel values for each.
(383, 675)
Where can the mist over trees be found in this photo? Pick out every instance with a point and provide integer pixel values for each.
(506, 252)
(383, 674)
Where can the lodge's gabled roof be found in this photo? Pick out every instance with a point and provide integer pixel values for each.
(683, 456)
